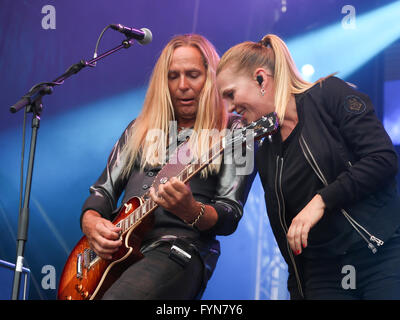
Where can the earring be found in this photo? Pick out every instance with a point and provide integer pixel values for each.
(262, 91)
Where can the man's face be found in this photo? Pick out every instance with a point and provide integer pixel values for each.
(186, 77)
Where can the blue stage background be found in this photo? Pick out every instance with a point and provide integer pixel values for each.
(84, 117)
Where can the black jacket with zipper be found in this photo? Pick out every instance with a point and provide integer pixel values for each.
(350, 152)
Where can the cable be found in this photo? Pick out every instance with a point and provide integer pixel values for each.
(97, 44)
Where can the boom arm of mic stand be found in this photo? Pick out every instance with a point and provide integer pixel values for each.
(42, 89)
(33, 102)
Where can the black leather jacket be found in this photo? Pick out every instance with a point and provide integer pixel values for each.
(226, 192)
(352, 155)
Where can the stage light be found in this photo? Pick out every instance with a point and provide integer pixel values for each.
(284, 6)
(338, 48)
(307, 71)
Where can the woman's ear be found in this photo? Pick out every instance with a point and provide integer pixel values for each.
(260, 74)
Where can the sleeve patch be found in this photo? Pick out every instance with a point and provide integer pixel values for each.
(354, 104)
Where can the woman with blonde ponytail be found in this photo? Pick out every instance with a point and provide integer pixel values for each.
(181, 250)
(328, 174)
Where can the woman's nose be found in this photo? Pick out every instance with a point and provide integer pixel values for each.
(231, 107)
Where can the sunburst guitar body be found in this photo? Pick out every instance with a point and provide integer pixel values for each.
(86, 276)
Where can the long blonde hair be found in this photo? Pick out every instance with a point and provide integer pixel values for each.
(271, 53)
(158, 109)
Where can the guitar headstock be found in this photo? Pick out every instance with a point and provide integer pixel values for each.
(265, 126)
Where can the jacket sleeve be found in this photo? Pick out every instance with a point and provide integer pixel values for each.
(105, 192)
(374, 161)
(231, 193)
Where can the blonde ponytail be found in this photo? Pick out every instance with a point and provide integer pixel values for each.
(271, 53)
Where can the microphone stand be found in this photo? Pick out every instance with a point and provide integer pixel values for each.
(32, 101)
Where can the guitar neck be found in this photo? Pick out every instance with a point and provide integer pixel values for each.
(266, 125)
(189, 170)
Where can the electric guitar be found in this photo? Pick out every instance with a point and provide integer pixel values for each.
(86, 276)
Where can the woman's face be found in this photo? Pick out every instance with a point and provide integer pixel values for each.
(186, 77)
(243, 94)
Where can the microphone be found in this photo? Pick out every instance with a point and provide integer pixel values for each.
(143, 36)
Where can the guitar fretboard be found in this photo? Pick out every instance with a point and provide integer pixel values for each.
(266, 125)
(186, 174)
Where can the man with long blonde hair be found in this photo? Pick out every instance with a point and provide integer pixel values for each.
(182, 92)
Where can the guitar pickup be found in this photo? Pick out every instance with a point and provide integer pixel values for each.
(79, 266)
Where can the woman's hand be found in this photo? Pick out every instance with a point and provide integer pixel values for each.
(102, 235)
(301, 224)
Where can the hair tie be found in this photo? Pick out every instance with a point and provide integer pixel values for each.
(265, 42)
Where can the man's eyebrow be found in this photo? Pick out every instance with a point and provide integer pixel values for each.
(191, 69)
